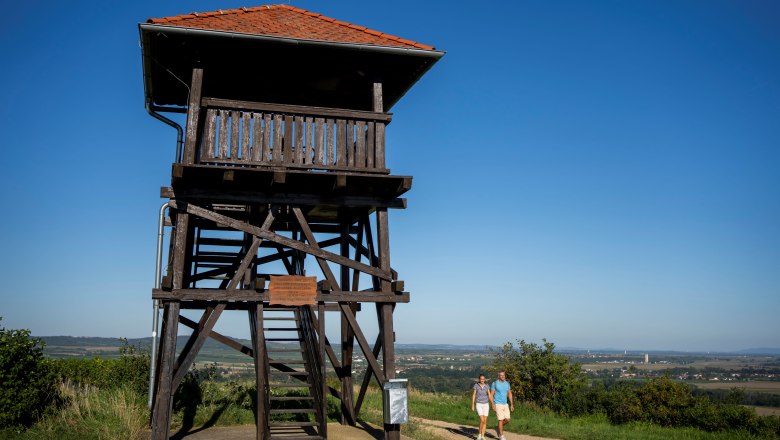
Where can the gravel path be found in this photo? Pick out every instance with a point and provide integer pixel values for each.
(455, 431)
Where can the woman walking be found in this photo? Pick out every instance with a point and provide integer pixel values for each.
(480, 401)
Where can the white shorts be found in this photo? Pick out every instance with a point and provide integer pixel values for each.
(502, 411)
(482, 409)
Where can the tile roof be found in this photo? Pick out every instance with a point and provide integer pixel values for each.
(286, 21)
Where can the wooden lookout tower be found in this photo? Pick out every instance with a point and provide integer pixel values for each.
(281, 172)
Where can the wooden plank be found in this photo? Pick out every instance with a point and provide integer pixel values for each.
(209, 145)
(367, 377)
(287, 143)
(383, 239)
(298, 145)
(234, 120)
(246, 129)
(309, 137)
(267, 129)
(163, 402)
(217, 295)
(278, 132)
(223, 134)
(185, 364)
(313, 242)
(379, 146)
(324, 377)
(392, 431)
(257, 137)
(341, 142)
(360, 144)
(180, 249)
(319, 141)
(329, 151)
(350, 143)
(371, 145)
(193, 115)
(261, 373)
(298, 109)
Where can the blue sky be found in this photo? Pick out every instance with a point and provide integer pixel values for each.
(600, 174)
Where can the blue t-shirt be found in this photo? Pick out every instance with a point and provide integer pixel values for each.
(501, 389)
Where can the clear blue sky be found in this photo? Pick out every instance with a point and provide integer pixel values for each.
(600, 174)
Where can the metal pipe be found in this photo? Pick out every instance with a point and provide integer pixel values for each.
(156, 306)
(179, 131)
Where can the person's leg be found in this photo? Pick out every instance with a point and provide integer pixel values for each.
(482, 425)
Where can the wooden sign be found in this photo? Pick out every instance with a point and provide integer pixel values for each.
(292, 290)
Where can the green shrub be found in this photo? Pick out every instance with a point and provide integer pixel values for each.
(131, 370)
(665, 402)
(28, 384)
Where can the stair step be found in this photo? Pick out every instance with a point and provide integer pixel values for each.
(278, 318)
(290, 398)
(292, 411)
(281, 329)
(296, 437)
(290, 373)
(286, 361)
(289, 385)
(284, 350)
(286, 424)
(283, 339)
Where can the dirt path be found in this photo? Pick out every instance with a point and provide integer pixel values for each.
(247, 432)
(455, 431)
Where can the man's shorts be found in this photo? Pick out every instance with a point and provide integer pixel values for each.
(502, 411)
(482, 409)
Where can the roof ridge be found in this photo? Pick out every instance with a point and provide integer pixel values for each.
(193, 15)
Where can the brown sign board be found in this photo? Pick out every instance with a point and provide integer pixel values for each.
(292, 290)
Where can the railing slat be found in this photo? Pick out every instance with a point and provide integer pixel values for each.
(341, 142)
(360, 144)
(245, 130)
(287, 143)
(380, 145)
(309, 140)
(257, 137)
(329, 142)
(319, 141)
(234, 135)
(277, 147)
(267, 137)
(223, 136)
(298, 154)
(350, 143)
(370, 148)
(211, 134)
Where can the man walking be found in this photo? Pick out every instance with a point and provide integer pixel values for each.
(500, 391)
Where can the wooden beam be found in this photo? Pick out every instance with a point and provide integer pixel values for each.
(310, 249)
(219, 337)
(300, 109)
(367, 377)
(185, 364)
(193, 115)
(163, 402)
(367, 353)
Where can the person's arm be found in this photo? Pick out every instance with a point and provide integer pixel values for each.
(473, 398)
(511, 400)
(492, 391)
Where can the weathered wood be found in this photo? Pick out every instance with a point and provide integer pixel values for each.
(246, 129)
(257, 137)
(379, 147)
(180, 249)
(193, 115)
(209, 145)
(189, 357)
(298, 145)
(287, 143)
(309, 153)
(325, 296)
(319, 141)
(383, 238)
(367, 377)
(276, 238)
(261, 373)
(370, 145)
(360, 144)
(361, 339)
(341, 142)
(163, 401)
(267, 129)
(329, 150)
(234, 121)
(278, 132)
(223, 134)
(350, 143)
(298, 109)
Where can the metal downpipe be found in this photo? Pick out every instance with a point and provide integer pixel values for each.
(156, 306)
(179, 131)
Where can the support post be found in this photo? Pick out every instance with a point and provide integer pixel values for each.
(385, 311)
(193, 116)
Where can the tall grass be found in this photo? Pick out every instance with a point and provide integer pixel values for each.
(90, 413)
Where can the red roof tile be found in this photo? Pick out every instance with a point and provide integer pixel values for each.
(286, 22)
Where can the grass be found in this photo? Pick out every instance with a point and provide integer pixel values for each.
(90, 413)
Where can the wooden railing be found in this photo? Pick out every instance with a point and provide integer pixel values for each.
(241, 133)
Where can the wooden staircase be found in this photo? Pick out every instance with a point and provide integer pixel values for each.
(294, 388)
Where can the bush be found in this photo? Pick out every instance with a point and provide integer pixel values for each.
(538, 374)
(130, 370)
(28, 383)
